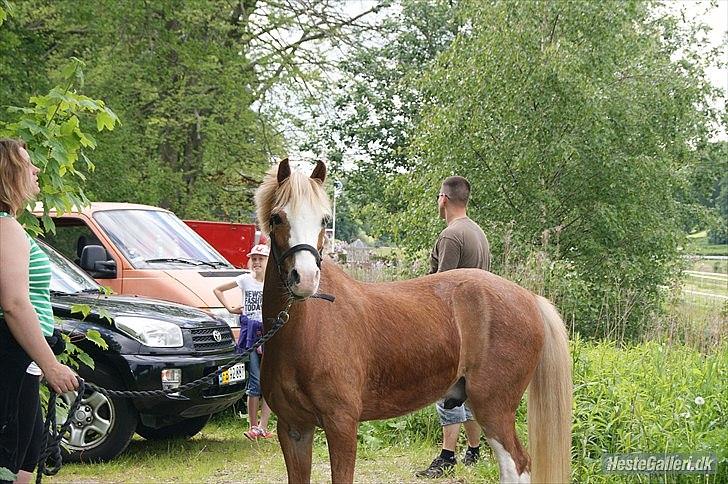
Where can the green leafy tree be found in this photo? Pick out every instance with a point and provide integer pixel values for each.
(574, 121)
(377, 106)
(55, 127)
(718, 233)
(193, 84)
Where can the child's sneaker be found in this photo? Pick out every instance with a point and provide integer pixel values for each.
(265, 433)
(254, 433)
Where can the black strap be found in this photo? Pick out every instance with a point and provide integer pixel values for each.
(279, 258)
(327, 297)
(298, 248)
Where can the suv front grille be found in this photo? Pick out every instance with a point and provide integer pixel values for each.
(204, 338)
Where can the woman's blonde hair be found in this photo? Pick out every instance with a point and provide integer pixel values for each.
(15, 187)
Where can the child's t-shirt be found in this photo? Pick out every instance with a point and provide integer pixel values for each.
(252, 317)
(252, 296)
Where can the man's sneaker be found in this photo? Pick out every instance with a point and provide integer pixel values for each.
(470, 458)
(438, 468)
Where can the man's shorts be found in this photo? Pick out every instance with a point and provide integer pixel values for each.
(453, 416)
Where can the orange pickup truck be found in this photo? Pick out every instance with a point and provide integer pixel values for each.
(146, 251)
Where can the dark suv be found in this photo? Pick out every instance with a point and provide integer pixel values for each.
(151, 345)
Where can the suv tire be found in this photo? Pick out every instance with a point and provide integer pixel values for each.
(103, 426)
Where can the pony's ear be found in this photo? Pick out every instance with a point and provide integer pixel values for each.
(319, 173)
(284, 170)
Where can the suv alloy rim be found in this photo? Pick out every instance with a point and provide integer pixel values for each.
(91, 422)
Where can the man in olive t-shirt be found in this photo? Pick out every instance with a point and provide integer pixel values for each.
(462, 244)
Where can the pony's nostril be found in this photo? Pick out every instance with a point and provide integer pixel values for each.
(295, 277)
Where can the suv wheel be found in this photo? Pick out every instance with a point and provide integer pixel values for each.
(102, 427)
(185, 429)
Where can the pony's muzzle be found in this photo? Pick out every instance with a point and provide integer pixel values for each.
(304, 283)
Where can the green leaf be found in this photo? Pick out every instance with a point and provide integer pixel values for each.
(95, 337)
(105, 119)
(105, 315)
(69, 70)
(85, 359)
(84, 309)
(70, 126)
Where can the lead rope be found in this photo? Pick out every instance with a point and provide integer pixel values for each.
(50, 460)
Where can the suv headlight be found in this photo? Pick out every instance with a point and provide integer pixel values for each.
(233, 320)
(151, 332)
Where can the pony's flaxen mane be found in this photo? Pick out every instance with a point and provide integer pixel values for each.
(296, 189)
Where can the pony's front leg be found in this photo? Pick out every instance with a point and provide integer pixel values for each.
(341, 437)
(296, 444)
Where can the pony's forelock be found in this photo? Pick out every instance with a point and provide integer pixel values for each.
(296, 189)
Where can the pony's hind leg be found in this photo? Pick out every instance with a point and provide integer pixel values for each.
(297, 445)
(500, 432)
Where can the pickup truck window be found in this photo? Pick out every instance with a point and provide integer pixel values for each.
(65, 276)
(71, 236)
(153, 239)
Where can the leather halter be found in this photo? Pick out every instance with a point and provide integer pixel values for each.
(279, 258)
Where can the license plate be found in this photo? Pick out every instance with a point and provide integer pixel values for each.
(234, 374)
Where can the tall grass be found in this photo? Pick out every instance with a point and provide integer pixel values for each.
(646, 397)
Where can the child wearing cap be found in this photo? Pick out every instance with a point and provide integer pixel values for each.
(251, 328)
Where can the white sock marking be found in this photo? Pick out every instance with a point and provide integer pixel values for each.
(506, 465)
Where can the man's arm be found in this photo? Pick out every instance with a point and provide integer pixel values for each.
(449, 254)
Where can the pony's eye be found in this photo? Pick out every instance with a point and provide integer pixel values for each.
(276, 219)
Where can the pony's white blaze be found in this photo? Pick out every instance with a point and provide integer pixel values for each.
(506, 465)
(305, 227)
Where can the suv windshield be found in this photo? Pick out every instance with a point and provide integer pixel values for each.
(152, 238)
(65, 276)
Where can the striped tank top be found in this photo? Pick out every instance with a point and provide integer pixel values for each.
(39, 276)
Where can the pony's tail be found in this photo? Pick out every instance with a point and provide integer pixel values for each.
(549, 402)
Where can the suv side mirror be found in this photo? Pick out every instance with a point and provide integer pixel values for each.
(97, 262)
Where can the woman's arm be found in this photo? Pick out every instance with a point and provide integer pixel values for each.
(19, 314)
(221, 297)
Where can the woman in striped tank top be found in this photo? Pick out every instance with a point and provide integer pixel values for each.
(25, 317)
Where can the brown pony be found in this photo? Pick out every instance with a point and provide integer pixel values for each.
(383, 350)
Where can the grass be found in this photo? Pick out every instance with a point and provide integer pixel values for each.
(637, 398)
(698, 244)
(709, 265)
(221, 454)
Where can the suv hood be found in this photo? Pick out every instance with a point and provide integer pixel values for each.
(183, 316)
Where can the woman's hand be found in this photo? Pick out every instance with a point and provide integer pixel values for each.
(60, 378)
(236, 310)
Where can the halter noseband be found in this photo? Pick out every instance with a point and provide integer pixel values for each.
(280, 258)
(293, 250)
